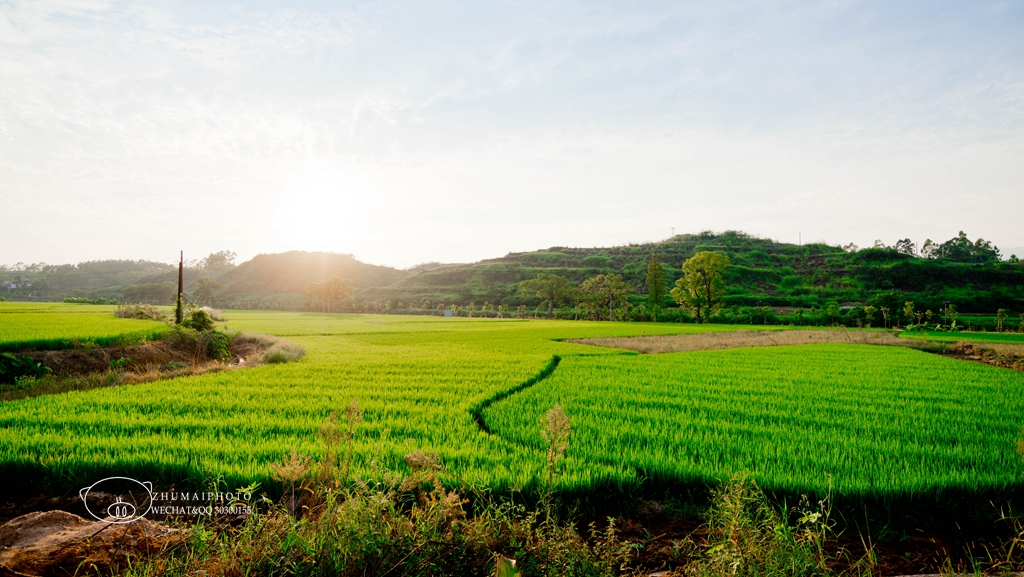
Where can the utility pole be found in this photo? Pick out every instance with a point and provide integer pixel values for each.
(181, 290)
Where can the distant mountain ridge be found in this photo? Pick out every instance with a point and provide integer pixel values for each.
(763, 272)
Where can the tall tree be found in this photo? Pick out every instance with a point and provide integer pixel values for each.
(329, 292)
(603, 290)
(205, 287)
(218, 260)
(655, 285)
(905, 246)
(961, 249)
(553, 289)
(702, 287)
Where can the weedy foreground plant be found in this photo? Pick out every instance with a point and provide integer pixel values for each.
(386, 524)
(390, 523)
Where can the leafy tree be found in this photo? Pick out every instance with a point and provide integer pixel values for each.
(603, 290)
(655, 285)
(890, 304)
(205, 287)
(329, 291)
(218, 260)
(1001, 315)
(961, 249)
(905, 246)
(702, 287)
(832, 311)
(553, 289)
(929, 249)
(869, 314)
(149, 293)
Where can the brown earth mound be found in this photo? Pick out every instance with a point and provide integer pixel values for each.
(999, 355)
(85, 361)
(1010, 356)
(739, 339)
(60, 543)
(82, 369)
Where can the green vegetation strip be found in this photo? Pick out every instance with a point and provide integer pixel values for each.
(869, 420)
(59, 326)
(863, 420)
(478, 409)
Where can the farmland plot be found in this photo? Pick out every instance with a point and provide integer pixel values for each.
(55, 325)
(867, 420)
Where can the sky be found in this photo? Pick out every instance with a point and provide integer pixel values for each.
(411, 132)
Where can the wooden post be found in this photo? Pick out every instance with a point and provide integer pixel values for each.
(181, 290)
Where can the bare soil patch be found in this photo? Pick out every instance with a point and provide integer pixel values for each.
(1005, 355)
(740, 339)
(1009, 356)
(61, 543)
(89, 368)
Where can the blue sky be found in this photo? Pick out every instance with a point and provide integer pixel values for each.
(411, 132)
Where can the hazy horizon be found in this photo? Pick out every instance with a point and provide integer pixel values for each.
(405, 133)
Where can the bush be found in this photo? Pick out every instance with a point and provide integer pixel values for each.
(183, 336)
(143, 312)
(89, 301)
(13, 368)
(214, 313)
(200, 320)
(283, 352)
(216, 345)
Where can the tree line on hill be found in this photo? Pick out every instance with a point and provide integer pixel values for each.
(763, 274)
(765, 279)
(699, 294)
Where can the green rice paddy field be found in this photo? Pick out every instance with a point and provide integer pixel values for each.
(866, 421)
(59, 326)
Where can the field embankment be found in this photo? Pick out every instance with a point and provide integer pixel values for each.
(744, 338)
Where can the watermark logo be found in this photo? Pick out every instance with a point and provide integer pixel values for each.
(124, 500)
(119, 500)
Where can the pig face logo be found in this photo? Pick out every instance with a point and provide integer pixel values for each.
(118, 500)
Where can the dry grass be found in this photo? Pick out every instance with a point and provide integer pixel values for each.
(1009, 349)
(739, 339)
(166, 358)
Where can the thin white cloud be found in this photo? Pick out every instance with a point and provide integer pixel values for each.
(515, 125)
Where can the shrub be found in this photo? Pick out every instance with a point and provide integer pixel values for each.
(13, 368)
(214, 313)
(747, 536)
(283, 352)
(89, 301)
(199, 320)
(215, 344)
(143, 312)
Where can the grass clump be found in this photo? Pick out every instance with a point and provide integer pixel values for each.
(748, 536)
(141, 312)
(275, 350)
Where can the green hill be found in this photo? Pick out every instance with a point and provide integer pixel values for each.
(763, 272)
(772, 273)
